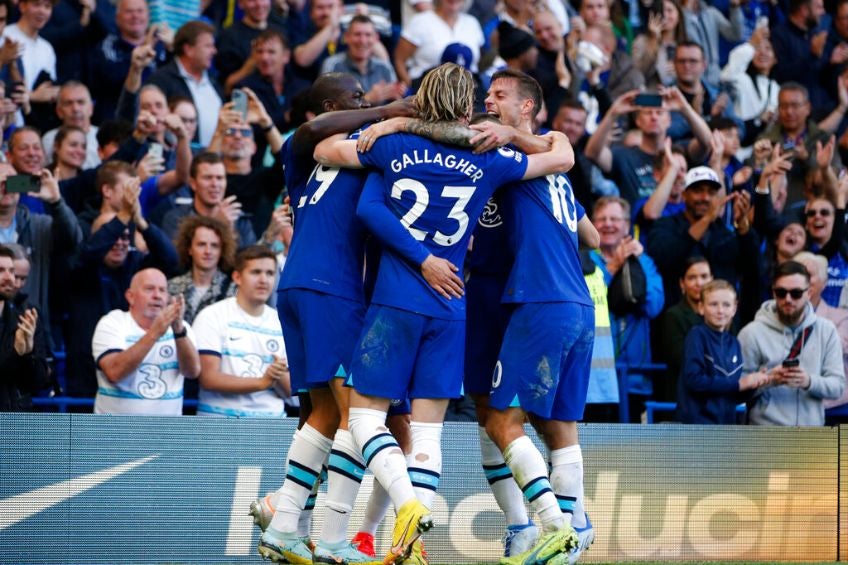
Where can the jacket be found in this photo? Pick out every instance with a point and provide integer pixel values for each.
(20, 376)
(708, 387)
(765, 344)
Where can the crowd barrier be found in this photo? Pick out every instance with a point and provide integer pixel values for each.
(79, 488)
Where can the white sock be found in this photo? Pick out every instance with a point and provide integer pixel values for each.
(378, 505)
(509, 497)
(381, 453)
(304, 521)
(425, 460)
(345, 471)
(567, 482)
(306, 456)
(531, 473)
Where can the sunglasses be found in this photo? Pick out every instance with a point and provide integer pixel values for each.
(795, 293)
(244, 132)
(824, 213)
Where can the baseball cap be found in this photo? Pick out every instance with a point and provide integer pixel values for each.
(702, 174)
(458, 53)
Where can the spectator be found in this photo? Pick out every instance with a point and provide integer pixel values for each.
(184, 109)
(799, 49)
(705, 99)
(112, 57)
(69, 154)
(618, 74)
(801, 352)
(836, 49)
(630, 324)
(427, 34)
(235, 42)
(38, 60)
(144, 355)
(587, 181)
(22, 269)
(667, 198)
(675, 323)
(320, 38)
(825, 226)
(376, 75)
(712, 382)
(653, 50)
(251, 377)
(554, 59)
(74, 29)
(631, 168)
(206, 248)
(208, 182)
(695, 231)
(48, 237)
(816, 266)
(273, 83)
(754, 92)
(121, 243)
(74, 108)
(704, 23)
(26, 154)
(187, 75)
(795, 132)
(23, 344)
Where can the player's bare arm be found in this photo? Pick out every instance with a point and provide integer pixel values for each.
(558, 159)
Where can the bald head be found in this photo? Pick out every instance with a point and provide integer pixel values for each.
(147, 296)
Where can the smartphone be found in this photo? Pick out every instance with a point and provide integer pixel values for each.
(648, 100)
(788, 363)
(240, 102)
(23, 183)
(155, 149)
(788, 148)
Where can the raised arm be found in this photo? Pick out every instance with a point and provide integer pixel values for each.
(597, 147)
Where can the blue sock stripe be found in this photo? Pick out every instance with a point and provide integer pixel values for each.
(424, 478)
(344, 464)
(302, 475)
(310, 502)
(536, 488)
(495, 473)
(376, 444)
(566, 503)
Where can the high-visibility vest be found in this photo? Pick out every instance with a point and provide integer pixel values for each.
(603, 381)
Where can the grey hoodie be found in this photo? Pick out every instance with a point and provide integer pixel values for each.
(765, 344)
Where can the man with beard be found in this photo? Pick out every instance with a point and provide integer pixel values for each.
(801, 352)
(23, 344)
(695, 231)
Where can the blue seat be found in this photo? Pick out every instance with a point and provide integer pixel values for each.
(627, 386)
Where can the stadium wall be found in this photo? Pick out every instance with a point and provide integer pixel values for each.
(110, 489)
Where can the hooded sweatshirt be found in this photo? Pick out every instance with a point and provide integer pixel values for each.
(765, 344)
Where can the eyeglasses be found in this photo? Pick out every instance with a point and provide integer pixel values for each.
(824, 213)
(795, 293)
(244, 132)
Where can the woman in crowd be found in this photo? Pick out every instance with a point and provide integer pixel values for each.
(68, 153)
(653, 51)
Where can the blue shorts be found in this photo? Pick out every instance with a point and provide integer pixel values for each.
(485, 324)
(320, 331)
(402, 354)
(545, 360)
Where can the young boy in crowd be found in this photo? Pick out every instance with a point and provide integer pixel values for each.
(711, 381)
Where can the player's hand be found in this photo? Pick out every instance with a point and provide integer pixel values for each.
(491, 136)
(441, 275)
(375, 131)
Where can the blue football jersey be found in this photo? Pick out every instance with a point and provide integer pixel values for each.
(328, 244)
(490, 253)
(437, 192)
(542, 217)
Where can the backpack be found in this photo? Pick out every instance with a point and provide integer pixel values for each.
(628, 289)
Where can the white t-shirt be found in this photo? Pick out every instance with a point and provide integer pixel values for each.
(431, 34)
(246, 345)
(38, 55)
(155, 387)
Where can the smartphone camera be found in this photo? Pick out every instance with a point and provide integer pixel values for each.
(648, 100)
(23, 183)
(240, 103)
(789, 363)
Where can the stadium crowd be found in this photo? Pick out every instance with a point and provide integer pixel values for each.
(142, 149)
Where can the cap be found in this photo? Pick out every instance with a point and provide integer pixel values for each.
(458, 53)
(513, 42)
(702, 174)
